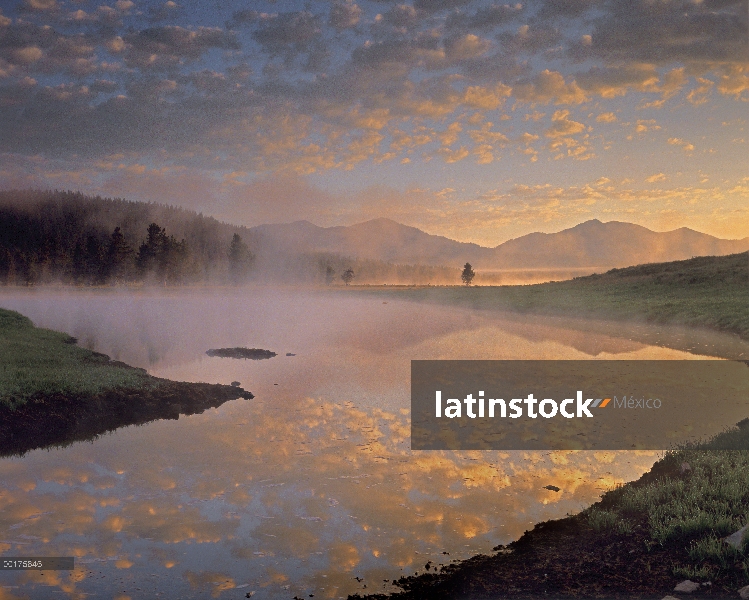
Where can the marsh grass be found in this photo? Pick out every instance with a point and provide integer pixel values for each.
(36, 361)
(606, 521)
(691, 500)
(693, 573)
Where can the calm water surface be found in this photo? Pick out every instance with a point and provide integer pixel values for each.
(307, 487)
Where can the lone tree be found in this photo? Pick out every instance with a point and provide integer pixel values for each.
(240, 260)
(347, 276)
(329, 275)
(468, 274)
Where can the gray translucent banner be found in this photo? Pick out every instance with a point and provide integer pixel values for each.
(573, 404)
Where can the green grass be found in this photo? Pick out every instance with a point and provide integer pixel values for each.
(708, 291)
(36, 361)
(690, 501)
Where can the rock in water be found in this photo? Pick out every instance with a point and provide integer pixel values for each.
(687, 587)
(235, 384)
(744, 593)
(251, 353)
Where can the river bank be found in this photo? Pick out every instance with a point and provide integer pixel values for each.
(52, 392)
(640, 541)
(708, 292)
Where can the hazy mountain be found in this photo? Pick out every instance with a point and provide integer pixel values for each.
(589, 244)
(612, 244)
(378, 239)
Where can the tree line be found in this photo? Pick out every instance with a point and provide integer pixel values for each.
(75, 239)
(48, 237)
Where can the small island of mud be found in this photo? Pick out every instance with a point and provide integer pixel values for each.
(246, 353)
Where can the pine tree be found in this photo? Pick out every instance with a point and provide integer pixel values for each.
(118, 262)
(240, 260)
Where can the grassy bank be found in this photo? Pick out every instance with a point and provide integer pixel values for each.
(709, 291)
(40, 361)
(639, 541)
(53, 392)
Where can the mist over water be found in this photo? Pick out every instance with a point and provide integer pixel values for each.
(307, 486)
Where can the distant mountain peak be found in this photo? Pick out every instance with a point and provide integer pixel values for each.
(592, 243)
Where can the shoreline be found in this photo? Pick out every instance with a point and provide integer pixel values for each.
(53, 392)
(59, 419)
(704, 293)
(640, 540)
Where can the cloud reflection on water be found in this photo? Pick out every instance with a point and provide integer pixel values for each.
(307, 486)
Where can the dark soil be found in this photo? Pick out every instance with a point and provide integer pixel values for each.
(251, 353)
(60, 419)
(559, 559)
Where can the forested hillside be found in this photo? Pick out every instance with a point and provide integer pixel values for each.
(68, 237)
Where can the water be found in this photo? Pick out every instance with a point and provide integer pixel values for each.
(307, 487)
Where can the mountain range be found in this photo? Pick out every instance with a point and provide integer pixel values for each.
(48, 236)
(587, 245)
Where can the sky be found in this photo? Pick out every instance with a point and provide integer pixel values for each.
(474, 119)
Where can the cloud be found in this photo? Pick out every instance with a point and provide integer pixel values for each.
(39, 49)
(465, 47)
(607, 117)
(486, 98)
(27, 55)
(562, 126)
(686, 146)
(166, 46)
(661, 33)
(164, 11)
(610, 82)
(40, 5)
(549, 86)
(451, 134)
(334, 87)
(486, 135)
(288, 32)
(401, 15)
(562, 140)
(530, 39)
(699, 95)
(567, 8)
(644, 125)
(735, 81)
(484, 18)
(438, 5)
(344, 15)
(655, 178)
